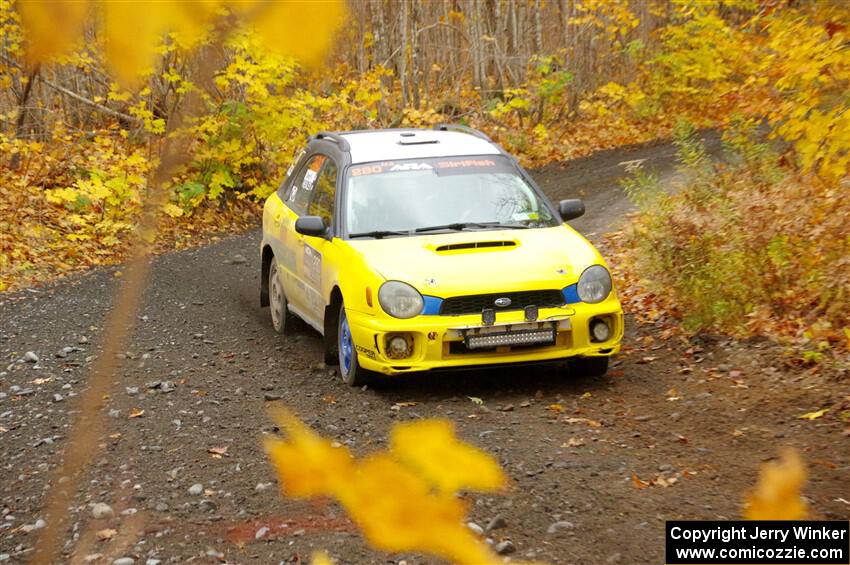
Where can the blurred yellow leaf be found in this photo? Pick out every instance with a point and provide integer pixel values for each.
(390, 495)
(304, 29)
(777, 494)
(136, 29)
(321, 558)
(307, 464)
(133, 32)
(398, 512)
(51, 27)
(431, 448)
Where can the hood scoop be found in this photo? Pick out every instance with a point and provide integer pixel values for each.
(475, 246)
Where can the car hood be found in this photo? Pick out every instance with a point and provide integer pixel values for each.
(481, 261)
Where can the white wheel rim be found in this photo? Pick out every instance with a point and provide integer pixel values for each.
(276, 298)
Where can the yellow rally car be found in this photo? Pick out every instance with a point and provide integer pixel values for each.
(412, 249)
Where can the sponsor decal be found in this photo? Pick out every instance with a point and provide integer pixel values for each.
(400, 166)
(454, 164)
(365, 351)
(410, 167)
(312, 266)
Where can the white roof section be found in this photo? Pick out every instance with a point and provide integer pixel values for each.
(391, 145)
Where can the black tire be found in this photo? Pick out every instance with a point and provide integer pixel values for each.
(589, 366)
(349, 369)
(282, 318)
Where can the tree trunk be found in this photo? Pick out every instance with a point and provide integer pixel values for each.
(414, 53)
(402, 57)
(538, 28)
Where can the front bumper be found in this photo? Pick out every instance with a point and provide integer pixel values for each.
(439, 342)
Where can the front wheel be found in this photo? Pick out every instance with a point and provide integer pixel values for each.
(350, 370)
(589, 366)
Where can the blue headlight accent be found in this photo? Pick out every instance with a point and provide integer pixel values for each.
(571, 294)
(432, 305)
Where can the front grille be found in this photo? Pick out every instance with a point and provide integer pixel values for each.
(475, 303)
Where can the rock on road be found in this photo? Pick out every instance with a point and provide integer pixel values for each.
(181, 451)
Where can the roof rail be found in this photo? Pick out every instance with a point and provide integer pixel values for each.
(464, 129)
(335, 137)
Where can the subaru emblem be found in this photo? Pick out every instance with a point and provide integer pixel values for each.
(503, 302)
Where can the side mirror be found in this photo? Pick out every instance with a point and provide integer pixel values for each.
(311, 225)
(571, 209)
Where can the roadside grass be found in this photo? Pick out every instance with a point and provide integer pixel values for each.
(747, 247)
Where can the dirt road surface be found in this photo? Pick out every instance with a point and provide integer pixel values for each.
(694, 420)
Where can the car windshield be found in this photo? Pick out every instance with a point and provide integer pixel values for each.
(423, 195)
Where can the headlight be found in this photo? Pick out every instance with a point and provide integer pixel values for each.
(594, 284)
(400, 300)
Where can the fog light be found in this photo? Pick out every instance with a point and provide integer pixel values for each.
(599, 330)
(398, 347)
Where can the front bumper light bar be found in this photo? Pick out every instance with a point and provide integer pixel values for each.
(527, 337)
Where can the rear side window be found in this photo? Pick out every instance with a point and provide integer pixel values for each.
(304, 183)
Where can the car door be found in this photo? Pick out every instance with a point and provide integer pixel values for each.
(291, 260)
(317, 249)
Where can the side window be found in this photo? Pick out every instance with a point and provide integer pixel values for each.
(305, 181)
(323, 198)
(287, 186)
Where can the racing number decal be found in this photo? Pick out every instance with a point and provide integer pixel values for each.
(312, 266)
(309, 179)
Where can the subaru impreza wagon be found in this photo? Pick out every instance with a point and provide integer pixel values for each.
(415, 249)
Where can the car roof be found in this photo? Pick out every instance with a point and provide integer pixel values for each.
(393, 144)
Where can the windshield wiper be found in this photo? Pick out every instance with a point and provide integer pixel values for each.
(460, 226)
(378, 234)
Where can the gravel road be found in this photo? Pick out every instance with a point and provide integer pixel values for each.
(693, 421)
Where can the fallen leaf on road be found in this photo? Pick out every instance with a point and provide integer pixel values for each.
(813, 415)
(664, 481)
(41, 381)
(588, 421)
(824, 463)
(400, 405)
(645, 360)
(106, 534)
(573, 442)
(116, 435)
(737, 433)
(217, 452)
(136, 413)
(555, 408)
(586, 395)
(329, 399)
(476, 400)
(638, 483)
